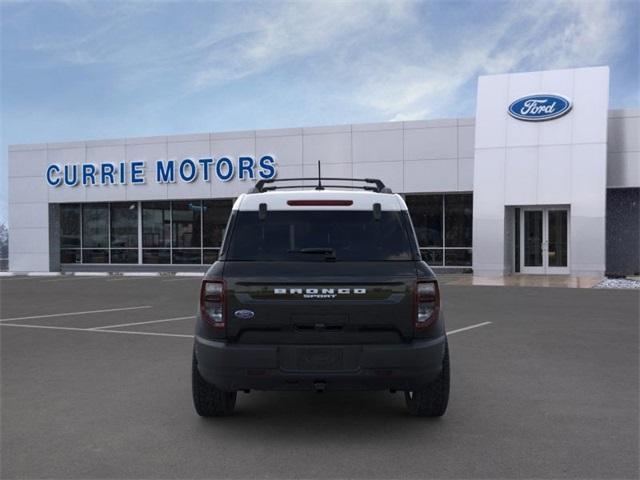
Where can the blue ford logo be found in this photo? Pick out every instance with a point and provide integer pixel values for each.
(243, 314)
(536, 108)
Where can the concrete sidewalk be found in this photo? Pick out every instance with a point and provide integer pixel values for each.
(556, 281)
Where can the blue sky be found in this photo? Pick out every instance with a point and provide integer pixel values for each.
(81, 70)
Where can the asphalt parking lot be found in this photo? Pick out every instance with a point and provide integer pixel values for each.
(96, 384)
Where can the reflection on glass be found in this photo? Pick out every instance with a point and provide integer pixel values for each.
(69, 226)
(433, 256)
(95, 256)
(457, 257)
(186, 256)
(426, 215)
(557, 238)
(156, 255)
(458, 220)
(532, 238)
(215, 214)
(156, 224)
(128, 255)
(186, 224)
(124, 225)
(210, 255)
(95, 225)
(70, 255)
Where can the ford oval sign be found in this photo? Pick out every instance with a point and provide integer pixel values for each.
(243, 314)
(536, 108)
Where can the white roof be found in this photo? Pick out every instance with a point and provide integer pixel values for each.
(361, 200)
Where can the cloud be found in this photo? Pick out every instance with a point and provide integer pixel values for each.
(534, 37)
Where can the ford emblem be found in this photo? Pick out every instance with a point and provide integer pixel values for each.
(243, 314)
(536, 108)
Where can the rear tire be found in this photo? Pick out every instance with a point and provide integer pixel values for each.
(432, 400)
(208, 400)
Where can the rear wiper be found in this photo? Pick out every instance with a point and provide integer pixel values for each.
(329, 252)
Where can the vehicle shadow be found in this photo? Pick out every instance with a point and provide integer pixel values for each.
(329, 415)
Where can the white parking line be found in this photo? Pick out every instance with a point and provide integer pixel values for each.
(142, 323)
(159, 334)
(75, 329)
(74, 313)
(468, 328)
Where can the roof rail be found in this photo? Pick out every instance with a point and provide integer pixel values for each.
(374, 184)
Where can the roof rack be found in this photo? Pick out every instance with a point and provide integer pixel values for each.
(375, 185)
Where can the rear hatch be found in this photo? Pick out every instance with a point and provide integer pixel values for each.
(314, 276)
(319, 303)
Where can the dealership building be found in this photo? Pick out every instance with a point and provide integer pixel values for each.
(544, 180)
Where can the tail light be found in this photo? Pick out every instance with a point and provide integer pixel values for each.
(427, 303)
(212, 303)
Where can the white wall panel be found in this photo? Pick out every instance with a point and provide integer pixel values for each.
(286, 149)
(28, 189)
(29, 262)
(465, 174)
(588, 180)
(554, 175)
(521, 176)
(27, 163)
(466, 141)
(624, 134)
(327, 147)
(431, 143)
(431, 176)
(29, 215)
(377, 146)
(29, 240)
(491, 101)
(591, 105)
(623, 169)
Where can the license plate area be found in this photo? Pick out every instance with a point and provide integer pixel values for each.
(319, 358)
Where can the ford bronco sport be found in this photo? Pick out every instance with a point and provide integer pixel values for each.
(320, 288)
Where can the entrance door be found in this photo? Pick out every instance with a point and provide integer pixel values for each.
(544, 240)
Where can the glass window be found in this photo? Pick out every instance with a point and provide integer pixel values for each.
(433, 256)
(156, 224)
(186, 224)
(457, 257)
(317, 235)
(215, 214)
(124, 225)
(95, 225)
(128, 255)
(69, 226)
(426, 215)
(95, 255)
(210, 255)
(70, 256)
(156, 255)
(186, 255)
(458, 220)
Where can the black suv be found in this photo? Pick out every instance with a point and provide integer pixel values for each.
(320, 288)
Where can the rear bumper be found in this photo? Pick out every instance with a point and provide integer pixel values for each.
(234, 367)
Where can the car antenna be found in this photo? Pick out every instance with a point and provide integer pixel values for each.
(319, 187)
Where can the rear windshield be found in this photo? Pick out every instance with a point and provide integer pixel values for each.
(314, 235)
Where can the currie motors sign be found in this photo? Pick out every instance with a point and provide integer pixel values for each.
(537, 108)
(187, 170)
